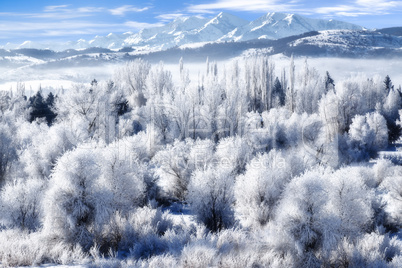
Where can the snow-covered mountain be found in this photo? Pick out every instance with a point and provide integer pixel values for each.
(189, 30)
(280, 25)
(347, 43)
(328, 43)
(185, 30)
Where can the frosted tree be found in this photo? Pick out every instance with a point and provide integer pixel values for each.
(159, 81)
(212, 99)
(274, 124)
(267, 83)
(5, 98)
(391, 107)
(330, 115)
(351, 202)
(304, 132)
(392, 198)
(79, 110)
(159, 93)
(284, 82)
(73, 202)
(132, 78)
(232, 154)
(172, 170)
(350, 103)
(258, 82)
(373, 93)
(184, 115)
(122, 177)
(234, 104)
(93, 112)
(379, 127)
(310, 90)
(258, 191)
(44, 148)
(290, 92)
(87, 188)
(14, 105)
(368, 134)
(210, 194)
(184, 76)
(309, 231)
(21, 204)
(8, 153)
(201, 155)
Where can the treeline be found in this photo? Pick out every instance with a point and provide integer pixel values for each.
(241, 167)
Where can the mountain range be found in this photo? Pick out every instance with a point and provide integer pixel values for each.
(195, 30)
(223, 37)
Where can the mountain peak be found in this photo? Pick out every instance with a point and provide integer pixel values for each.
(222, 27)
(275, 25)
(276, 15)
(228, 19)
(226, 15)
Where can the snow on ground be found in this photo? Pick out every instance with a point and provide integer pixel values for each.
(392, 153)
(180, 214)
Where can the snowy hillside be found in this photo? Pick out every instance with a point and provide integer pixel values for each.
(348, 43)
(188, 30)
(397, 31)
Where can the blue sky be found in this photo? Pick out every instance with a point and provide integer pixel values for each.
(22, 20)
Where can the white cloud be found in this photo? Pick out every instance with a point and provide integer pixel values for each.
(334, 9)
(347, 8)
(361, 7)
(169, 17)
(378, 3)
(72, 28)
(63, 20)
(141, 25)
(64, 12)
(90, 9)
(121, 11)
(241, 5)
(56, 12)
(12, 26)
(54, 8)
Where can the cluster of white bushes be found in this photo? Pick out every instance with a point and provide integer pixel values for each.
(269, 171)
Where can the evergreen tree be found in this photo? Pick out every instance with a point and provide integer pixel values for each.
(278, 93)
(41, 108)
(388, 84)
(38, 106)
(329, 82)
(50, 115)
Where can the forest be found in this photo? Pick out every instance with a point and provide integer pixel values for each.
(247, 165)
